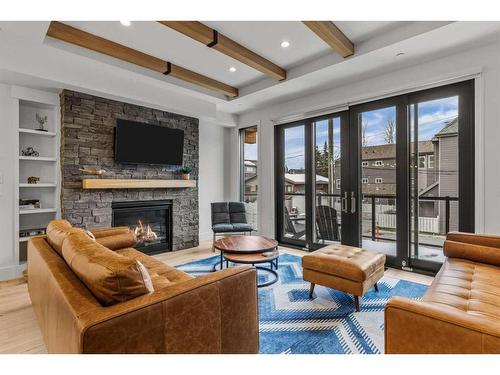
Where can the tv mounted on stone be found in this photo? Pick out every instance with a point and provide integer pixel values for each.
(141, 143)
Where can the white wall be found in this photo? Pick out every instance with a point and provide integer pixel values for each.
(8, 163)
(484, 59)
(211, 182)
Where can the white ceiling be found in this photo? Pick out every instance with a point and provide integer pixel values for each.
(310, 63)
(262, 37)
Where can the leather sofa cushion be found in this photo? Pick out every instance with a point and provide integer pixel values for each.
(118, 241)
(57, 231)
(109, 231)
(475, 239)
(220, 213)
(237, 212)
(162, 275)
(472, 288)
(477, 253)
(242, 227)
(221, 228)
(111, 277)
(347, 262)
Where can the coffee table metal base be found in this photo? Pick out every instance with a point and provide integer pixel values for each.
(269, 270)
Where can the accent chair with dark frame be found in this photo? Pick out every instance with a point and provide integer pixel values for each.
(229, 218)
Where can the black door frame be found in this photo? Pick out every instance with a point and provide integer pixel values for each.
(280, 193)
(402, 190)
(466, 159)
(350, 153)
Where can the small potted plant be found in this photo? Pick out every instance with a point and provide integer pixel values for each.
(185, 171)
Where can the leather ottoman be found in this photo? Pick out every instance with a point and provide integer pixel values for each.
(348, 269)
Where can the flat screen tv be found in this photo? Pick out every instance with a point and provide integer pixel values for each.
(140, 143)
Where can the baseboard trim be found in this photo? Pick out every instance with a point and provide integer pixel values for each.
(12, 272)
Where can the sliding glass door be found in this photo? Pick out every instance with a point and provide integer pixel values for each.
(329, 190)
(392, 176)
(291, 185)
(379, 151)
(441, 170)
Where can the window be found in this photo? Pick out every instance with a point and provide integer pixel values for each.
(249, 173)
(421, 161)
(364, 180)
(430, 162)
(364, 164)
(378, 163)
(289, 188)
(378, 180)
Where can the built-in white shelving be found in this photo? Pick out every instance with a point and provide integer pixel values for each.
(37, 211)
(39, 185)
(37, 132)
(37, 158)
(31, 103)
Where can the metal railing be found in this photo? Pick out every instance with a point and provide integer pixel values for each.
(373, 212)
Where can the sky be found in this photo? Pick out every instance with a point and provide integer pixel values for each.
(432, 116)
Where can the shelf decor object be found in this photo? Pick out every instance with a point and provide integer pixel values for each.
(136, 184)
(30, 151)
(185, 171)
(42, 120)
(93, 171)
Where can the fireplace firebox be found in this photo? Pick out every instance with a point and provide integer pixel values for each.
(151, 221)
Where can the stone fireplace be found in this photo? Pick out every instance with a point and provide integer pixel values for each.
(88, 124)
(151, 221)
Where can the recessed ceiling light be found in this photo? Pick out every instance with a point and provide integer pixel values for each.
(126, 23)
(285, 44)
(232, 69)
(399, 54)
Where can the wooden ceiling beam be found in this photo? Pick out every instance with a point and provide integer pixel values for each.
(213, 39)
(107, 47)
(332, 35)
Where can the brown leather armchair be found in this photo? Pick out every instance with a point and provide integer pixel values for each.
(460, 312)
(216, 313)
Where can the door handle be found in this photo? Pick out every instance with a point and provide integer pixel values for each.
(353, 203)
(344, 202)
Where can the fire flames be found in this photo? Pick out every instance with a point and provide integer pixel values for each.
(144, 233)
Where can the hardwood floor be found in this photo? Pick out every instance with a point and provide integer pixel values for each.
(19, 332)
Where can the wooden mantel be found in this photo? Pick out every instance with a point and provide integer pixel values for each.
(107, 183)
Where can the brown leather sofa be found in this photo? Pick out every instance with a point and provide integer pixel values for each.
(460, 312)
(215, 313)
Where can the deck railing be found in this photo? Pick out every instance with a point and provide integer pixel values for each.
(380, 215)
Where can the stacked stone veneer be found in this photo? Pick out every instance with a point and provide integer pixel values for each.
(87, 129)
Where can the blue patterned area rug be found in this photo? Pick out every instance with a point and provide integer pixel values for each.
(291, 323)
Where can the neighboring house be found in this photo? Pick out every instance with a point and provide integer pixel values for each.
(446, 142)
(295, 183)
(251, 179)
(437, 173)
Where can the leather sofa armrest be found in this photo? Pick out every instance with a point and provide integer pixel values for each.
(474, 252)
(475, 239)
(418, 327)
(118, 241)
(109, 231)
(215, 313)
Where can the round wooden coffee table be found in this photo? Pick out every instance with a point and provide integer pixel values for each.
(250, 250)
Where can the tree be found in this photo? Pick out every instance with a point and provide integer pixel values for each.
(390, 132)
(364, 140)
(321, 158)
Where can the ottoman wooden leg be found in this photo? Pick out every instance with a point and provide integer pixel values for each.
(356, 303)
(376, 287)
(311, 290)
